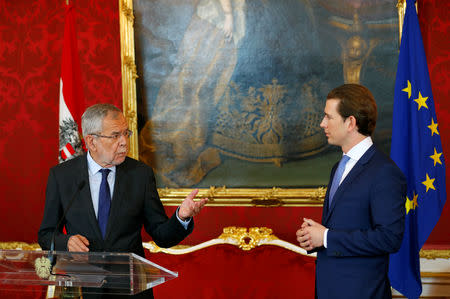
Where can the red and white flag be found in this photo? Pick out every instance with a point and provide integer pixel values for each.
(71, 96)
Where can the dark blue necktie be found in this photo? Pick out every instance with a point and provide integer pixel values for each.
(337, 178)
(104, 202)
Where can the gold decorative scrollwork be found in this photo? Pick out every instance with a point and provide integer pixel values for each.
(432, 254)
(258, 236)
(249, 197)
(213, 191)
(129, 73)
(237, 236)
(247, 240)
(129, 62)
(231, 235)
(127, 11)
(19, 246)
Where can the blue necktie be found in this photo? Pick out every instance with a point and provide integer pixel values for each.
(337, 178)
(104, 202)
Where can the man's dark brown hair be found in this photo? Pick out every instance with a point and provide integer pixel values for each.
(358, 101)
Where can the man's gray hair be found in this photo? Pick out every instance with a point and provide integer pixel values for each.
(92, 119)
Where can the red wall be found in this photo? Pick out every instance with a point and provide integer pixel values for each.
(31, 34)
(434, 18)
(30, 54)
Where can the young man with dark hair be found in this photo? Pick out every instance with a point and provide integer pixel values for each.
(364, 207)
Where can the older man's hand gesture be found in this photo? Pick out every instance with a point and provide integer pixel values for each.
(189, 208)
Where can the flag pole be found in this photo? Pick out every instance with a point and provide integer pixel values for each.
(71, 97)
(401, 7)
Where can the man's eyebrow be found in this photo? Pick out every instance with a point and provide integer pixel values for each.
(119, 132)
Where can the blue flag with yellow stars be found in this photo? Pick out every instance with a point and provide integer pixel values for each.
(417, 150)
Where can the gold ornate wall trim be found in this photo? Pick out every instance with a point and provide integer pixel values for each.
(19, 246)
(257, 236)
(237, 236)
(432, 254)
(249, 197)
(129, 73)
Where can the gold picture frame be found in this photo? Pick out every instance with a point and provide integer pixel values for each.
(401, 8)
(219, 196)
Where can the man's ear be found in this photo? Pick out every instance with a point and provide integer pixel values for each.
(351, 123)
(90, 142)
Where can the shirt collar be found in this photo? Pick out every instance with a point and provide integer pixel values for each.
(94, 167)
(356, 152)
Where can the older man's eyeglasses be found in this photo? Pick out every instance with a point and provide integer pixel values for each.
(126, 134)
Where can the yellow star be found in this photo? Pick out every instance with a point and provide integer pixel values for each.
(436, 157)
(415, 199)
(429, 183)
(421, 101)
(411, 204)
(433, 127)
(408, 89)
(408, 205)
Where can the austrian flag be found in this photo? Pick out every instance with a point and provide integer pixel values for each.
(71, 97)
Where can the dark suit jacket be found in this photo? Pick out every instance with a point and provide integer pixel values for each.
(366, 224)
(135, 202)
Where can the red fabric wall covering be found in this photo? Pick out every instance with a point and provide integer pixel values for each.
(26, 292)
(283, 221)
(434, 18)
(31, 35)
(225, 271)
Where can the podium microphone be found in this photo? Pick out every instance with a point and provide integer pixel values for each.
(51, 256)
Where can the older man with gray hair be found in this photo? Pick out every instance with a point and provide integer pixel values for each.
(115, 195)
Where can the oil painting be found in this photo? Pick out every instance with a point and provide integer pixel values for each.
(231, 92)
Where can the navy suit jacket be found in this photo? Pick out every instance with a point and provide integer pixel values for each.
(135, 203)
(366, 224)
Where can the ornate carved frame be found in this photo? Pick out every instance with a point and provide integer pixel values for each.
(218, 196)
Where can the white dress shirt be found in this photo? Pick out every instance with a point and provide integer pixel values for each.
(95, 179)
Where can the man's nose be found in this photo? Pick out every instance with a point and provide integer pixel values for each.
(322, 123)
(123, 140)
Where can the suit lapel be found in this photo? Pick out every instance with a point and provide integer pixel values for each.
(347, 182)
(87, 198)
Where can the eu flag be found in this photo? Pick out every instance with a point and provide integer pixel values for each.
(417, 150)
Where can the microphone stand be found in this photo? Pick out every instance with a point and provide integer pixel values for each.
(51, 257)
